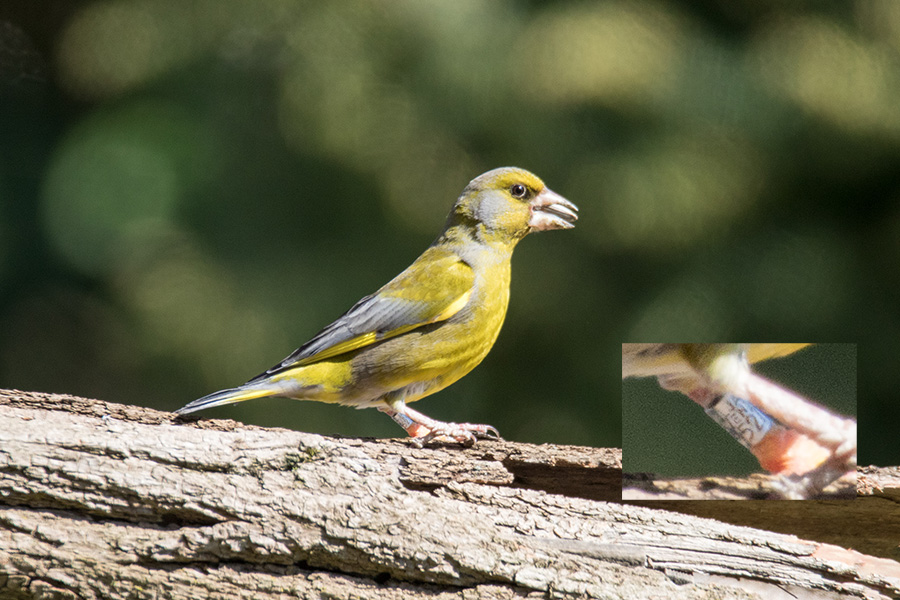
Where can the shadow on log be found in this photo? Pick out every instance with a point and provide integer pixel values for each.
(99, 500)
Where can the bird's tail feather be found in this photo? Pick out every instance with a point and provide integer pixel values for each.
(229, 396)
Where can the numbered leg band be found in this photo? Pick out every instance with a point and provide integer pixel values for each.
(746, 423)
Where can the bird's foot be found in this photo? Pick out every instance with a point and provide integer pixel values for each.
(812, 483)
(834, 433)
(463, 433)
(425, 430)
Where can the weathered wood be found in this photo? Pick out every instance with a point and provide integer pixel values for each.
(879, 481)
(99, 500)
(870, 523)
(757, 486)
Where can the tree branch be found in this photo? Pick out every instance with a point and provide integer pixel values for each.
(99, 500)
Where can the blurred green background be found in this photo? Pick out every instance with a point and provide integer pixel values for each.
(189, 189)
(666, 433)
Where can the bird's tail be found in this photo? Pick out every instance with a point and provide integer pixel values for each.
(230, 396)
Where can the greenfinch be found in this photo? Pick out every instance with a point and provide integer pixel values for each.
(787, 433)
(431, 324)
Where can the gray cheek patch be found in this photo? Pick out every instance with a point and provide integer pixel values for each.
(491, 207)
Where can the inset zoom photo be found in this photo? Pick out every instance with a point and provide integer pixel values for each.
(738, 421)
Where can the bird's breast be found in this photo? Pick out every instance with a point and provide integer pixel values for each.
(429, 358)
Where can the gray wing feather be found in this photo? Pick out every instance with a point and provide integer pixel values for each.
(371, 314)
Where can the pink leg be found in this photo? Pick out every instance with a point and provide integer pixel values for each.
(425, 429)
(825, 428)
(811, 447)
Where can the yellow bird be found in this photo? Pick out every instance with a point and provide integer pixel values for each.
(431, 324)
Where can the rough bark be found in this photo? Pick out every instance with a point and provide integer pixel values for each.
(99, 500)
(757, 486)
(869, 524)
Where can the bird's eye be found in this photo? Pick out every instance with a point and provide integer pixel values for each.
(518, 190)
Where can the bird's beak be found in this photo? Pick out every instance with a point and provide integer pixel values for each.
(549, 210)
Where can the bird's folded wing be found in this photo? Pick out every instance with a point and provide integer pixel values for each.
(432, 289)
(651, 360)
(758, 352)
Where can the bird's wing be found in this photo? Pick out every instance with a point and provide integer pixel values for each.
(758, 352)
(434, 288)
(646, 360)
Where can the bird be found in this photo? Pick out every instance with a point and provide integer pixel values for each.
(788, 434)
(431, 324)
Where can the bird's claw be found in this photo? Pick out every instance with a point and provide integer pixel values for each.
(423, 429)
(463, 433)
(812, 483)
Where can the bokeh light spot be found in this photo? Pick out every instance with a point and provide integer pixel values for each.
(111, 47)
(831, 73)
(98, 189)
(611, 52)
(188, 305)
(672, 192)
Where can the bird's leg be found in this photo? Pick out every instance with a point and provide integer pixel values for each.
(836, 433)
(424, 429)
(808, 445)
(833, 432)
(414, 429)
(808, 485)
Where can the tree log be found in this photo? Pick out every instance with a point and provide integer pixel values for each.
(757, 486)
(100, 500)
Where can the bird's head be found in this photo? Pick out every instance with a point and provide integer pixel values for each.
(506, 204)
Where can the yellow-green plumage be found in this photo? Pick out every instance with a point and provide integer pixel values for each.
(717, 363)
(434, 322)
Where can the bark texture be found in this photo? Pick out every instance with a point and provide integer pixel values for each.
(99, 500)
(757, 486)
